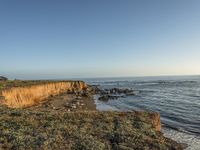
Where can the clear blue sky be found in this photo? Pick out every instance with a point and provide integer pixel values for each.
(99, 38)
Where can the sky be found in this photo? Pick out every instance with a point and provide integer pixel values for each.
(52, 39)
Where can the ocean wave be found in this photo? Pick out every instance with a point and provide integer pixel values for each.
(192, 141)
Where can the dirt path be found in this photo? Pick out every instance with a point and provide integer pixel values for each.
(66, 102)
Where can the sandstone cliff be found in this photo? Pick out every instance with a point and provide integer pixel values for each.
(17, 97)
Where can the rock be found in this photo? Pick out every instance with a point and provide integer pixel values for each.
(104, 98)
(114, 93)
(2, 78)
(121, 91)
(130, 94)
(107, 97)
(156, 121)
(66, 105)
(79, 97)
(85, 94)
(69, 91)
(93, 89)
(45, 105)
(74, 106)
(103, 92)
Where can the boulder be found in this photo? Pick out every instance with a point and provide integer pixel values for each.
(108, 97)
(2, 78)
(114, 93)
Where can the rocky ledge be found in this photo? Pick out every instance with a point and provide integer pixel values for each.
(113, 93)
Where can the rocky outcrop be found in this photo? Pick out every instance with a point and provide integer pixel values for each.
(156, 121)
(153, 118)
(113, 93)
(107, 97)
(18, 97)
(3, 78)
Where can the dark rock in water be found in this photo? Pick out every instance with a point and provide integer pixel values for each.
(3, 78)
(114, 93)
(122, 91)
(91, 90)
(108, 97)
(103, 92)
(104, 98)
(130, 94)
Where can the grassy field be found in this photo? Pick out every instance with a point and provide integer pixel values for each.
(92, 130)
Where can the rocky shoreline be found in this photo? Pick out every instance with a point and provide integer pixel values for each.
(70, 121)
(113, 93)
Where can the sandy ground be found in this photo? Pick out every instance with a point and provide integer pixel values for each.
(66, 102)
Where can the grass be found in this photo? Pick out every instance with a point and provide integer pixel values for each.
(17, 97)
(23, 129)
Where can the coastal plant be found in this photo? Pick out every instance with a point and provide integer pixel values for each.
(30, 129)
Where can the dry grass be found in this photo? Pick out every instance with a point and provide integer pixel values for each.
(27, 96)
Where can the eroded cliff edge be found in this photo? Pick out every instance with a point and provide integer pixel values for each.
(31, 94)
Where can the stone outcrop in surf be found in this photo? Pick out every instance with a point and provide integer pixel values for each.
(2, 78)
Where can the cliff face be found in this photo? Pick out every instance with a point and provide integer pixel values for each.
(153, 119)
(156, 121)
(18, 97)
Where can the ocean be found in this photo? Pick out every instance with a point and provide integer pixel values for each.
(177, 98)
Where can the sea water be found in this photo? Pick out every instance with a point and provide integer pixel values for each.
(177, 98)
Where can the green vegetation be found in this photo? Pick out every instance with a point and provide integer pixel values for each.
(25, 129)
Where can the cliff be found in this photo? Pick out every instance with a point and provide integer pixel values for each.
(24, 96)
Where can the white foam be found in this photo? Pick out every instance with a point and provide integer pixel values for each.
(192, 141)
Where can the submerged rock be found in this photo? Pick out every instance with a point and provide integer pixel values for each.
(108, 97)
(114, 93)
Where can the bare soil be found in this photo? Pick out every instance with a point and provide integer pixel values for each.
(66, 102)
